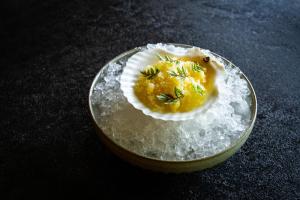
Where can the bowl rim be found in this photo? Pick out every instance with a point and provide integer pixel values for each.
(245, 133)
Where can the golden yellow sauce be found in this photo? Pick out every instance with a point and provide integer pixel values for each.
(171, 84)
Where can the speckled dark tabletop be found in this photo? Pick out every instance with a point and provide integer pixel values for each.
(51, 51)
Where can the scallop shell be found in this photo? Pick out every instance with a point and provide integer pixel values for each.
(140, 60)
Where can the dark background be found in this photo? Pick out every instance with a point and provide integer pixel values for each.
(51, 51)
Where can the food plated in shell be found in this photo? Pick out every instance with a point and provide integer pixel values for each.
(167, 145)
(171, 83)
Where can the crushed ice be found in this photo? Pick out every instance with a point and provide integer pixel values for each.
(210, 133)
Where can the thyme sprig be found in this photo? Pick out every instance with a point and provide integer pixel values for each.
(170, 99)
(167, 59)
(167, 98)
(181, 72)
(198, 89)
(196, 67)
(178, 93)
(150, 73)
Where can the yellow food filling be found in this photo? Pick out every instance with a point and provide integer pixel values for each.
(175, 84)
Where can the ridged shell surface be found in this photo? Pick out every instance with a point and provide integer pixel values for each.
(140, 60)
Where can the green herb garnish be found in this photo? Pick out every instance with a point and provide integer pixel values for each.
(167, 59)
(160, 57)
(168, 98)
(181, 73)
(197, 68)
(150, 73)
(198, 89)
(178, 93)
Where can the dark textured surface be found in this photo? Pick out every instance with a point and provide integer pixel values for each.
(51, 52)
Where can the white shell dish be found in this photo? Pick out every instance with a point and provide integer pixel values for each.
(140, 60)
